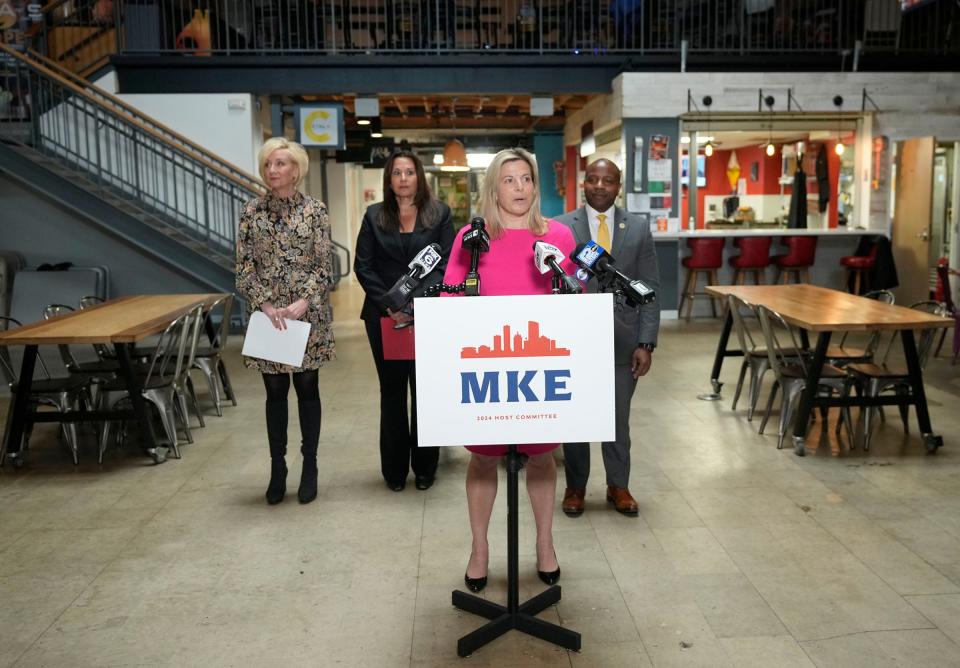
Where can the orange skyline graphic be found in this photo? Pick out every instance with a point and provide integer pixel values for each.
(534, 345)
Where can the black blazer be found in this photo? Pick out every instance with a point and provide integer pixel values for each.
(380, 258)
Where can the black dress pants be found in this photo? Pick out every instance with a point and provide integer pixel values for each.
(398, 425)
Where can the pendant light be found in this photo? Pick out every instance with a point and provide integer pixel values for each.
(708, 147)
(838, 103)
(454, 157)
(771, 149)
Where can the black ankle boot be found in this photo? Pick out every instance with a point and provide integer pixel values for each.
(310, 431)
(277, 438)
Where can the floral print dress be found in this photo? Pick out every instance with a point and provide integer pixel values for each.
(285, 252)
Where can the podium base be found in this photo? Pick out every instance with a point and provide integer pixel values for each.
(523, 620)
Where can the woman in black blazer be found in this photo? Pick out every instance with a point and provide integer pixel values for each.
(391, 234)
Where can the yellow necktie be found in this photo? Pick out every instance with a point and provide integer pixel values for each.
(603, 232)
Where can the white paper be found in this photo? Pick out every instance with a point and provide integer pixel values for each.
(637, 202)
(266, 342)
(660, 170)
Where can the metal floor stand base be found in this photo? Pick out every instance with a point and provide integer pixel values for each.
(513, 616)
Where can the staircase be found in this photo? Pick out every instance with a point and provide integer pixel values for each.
(121, 170)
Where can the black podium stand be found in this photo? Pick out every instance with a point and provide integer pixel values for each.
(514, 615)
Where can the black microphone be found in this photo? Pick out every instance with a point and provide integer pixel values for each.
(476, 241)
(596, 261)
(422, 264)
(545, 257)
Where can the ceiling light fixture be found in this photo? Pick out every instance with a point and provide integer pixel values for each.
(771, 149)
(708, 147)
(838, 103)
(454, 157)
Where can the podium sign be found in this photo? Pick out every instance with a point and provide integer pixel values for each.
(525, 369)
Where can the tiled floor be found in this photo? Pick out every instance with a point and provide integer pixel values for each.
(743, 555)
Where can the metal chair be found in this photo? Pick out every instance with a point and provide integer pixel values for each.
(97, 370)
(159, 378)
(183, 384)
(209, 359)
(791, 369)
(871, 379)
(841, 354)
(61, 393)
(104, 351)
(754, 358)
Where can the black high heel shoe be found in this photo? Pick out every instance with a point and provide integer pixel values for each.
(550, 578)
(475, 584)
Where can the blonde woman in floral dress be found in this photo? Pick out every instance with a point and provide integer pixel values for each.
(285, 269)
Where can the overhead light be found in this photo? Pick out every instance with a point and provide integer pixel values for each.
(771, 149)
(438, 159)
(376, 130)
(708, 149)
(479, 160)
(363, 121)
(541, 106)
(454, 157)
(366, 106)
(838, 103)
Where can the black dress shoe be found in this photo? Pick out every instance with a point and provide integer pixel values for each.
(424, 482)
(475, 584)
(397, 486)
(549, 578)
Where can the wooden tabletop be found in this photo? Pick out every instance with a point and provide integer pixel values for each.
(824, 310)
(121, 320)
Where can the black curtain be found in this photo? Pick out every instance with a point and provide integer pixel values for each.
(823, 178)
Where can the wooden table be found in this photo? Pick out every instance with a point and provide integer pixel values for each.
(824, 311)
(120, 322)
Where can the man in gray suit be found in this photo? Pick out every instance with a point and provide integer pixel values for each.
(629, 241)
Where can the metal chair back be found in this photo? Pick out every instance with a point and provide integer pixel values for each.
(169, 351)
(7, 367)
(220, 338)
(873, 340)
(925, 340)
(775, 330)
(52, 311)
(89, 301)
(738, 309)
(192, 330)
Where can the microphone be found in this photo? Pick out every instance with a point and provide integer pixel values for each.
(546, 257)
(476, 241)
(422, 264)
(596, 261)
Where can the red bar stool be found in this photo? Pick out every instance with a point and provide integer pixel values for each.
(706, 258)
(800, 255)
(753, 259)
(859, 268)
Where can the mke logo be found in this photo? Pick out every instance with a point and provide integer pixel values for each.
(489, 386)
(533, 346)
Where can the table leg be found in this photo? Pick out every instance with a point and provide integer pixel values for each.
(158, 453)
(809, 394)
(915, 374)
(721, 352)
(21, 404)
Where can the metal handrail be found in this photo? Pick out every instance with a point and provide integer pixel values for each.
(183, 143)
(131, 165)
(598, 27)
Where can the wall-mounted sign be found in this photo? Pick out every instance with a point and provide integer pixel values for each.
(321, 126)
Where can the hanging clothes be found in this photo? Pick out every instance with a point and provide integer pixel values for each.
(798, 198)
(823, 178)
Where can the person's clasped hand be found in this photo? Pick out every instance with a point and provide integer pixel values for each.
(399, 317)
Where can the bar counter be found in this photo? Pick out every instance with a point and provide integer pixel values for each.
(826, 271)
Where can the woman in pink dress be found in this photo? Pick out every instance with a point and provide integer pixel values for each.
(510, 203)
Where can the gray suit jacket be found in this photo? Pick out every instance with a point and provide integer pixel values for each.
(634, 255)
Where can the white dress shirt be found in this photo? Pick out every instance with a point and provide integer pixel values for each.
(594, 222)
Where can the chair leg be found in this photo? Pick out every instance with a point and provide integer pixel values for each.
(164, 404)
(195, 401)
(757, 372)
(743, 372)
(208, 367)
(180, 406)
(691, 287)
(766, 415)
(225, 379)
(713, 300)
(856, 282)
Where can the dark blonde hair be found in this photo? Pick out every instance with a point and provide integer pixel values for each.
(489, 208)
